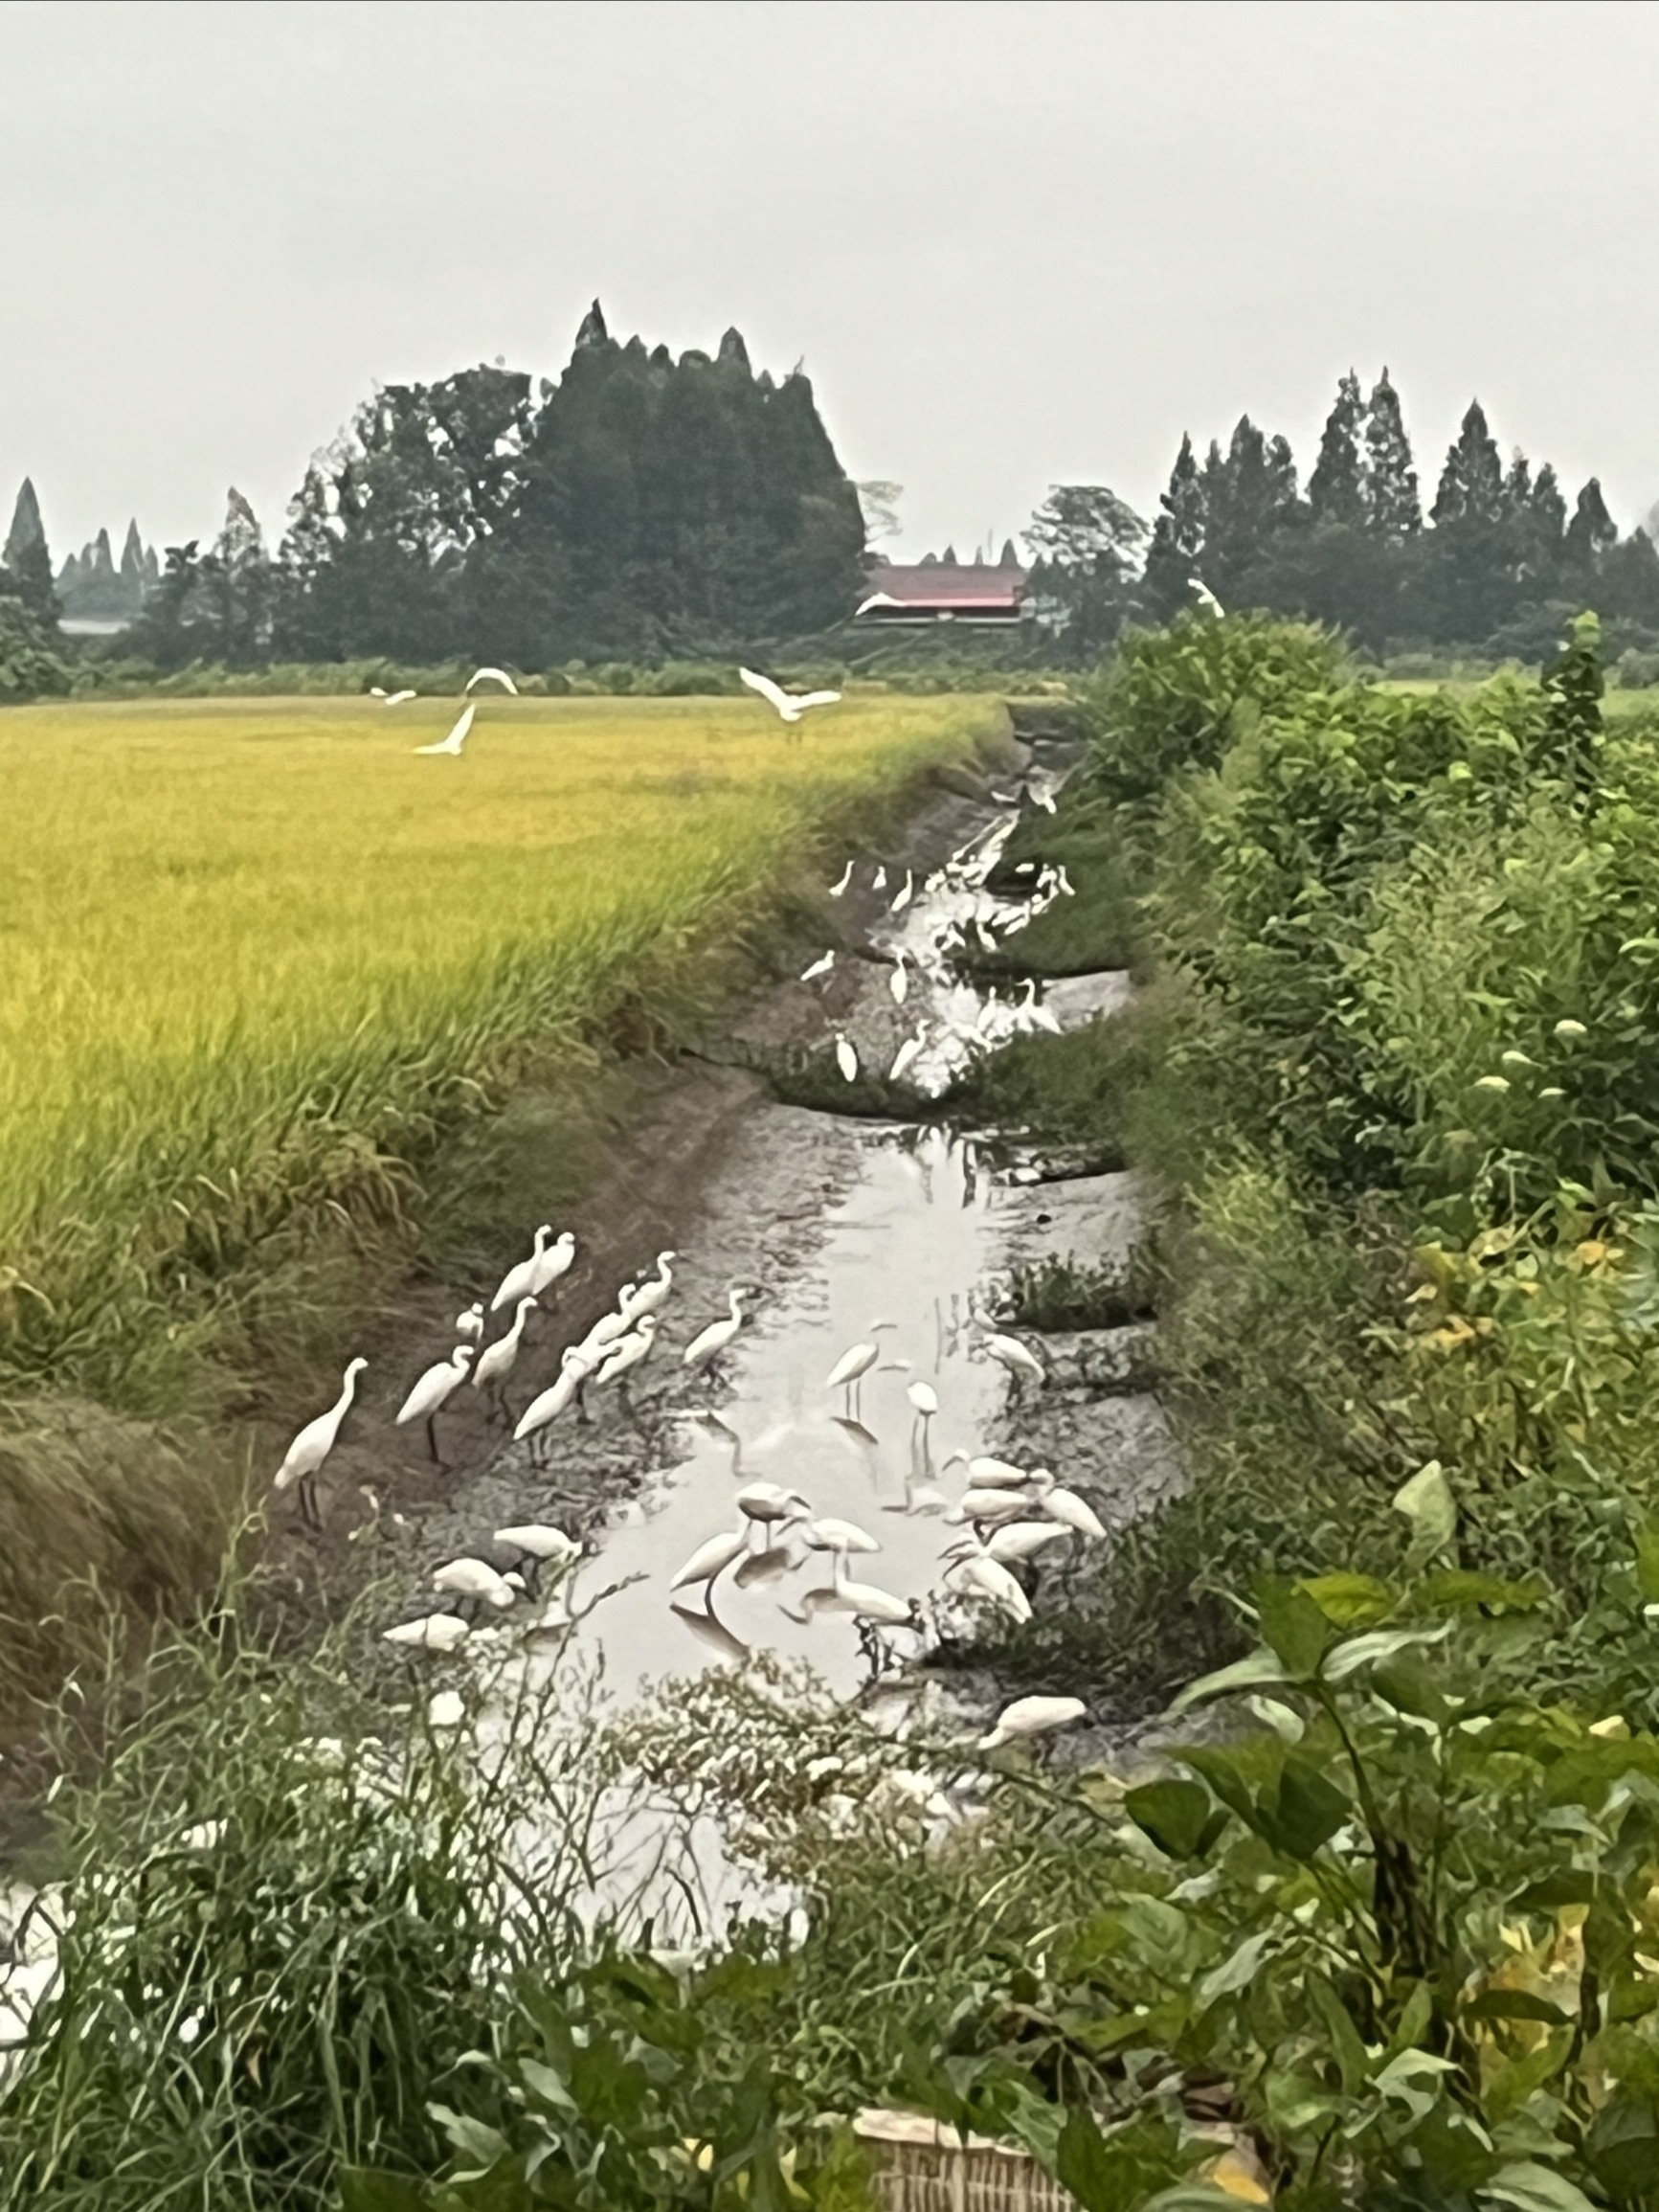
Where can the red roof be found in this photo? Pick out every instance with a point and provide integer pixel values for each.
(965, 588)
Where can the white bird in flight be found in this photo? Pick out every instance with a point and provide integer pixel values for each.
(493, 676)
(457, 739)
(390, 699)
(790, 705)
(305, 1455)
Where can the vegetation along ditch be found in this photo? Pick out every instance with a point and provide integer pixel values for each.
(1367, 1916)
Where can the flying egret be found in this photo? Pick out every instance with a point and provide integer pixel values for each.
(835, 889)
(305, 1455)
(711, 1559)
(1065, 1506)
(528, 1277)
(476, 1579)
(390, 699)
(790, 705)
(1012, 1355)
(470, 1325)
(706, 1347)
(899, 982)
(431, 1393)
(574, 1371)
(493, 676)
(1205, 598)
(846, 1059)
(1031, 1716)
(536, 1542)
(457, 739)
(496, 1362)
(432, 1632)
(819, 968)
(650, 1295)
(906, 1056)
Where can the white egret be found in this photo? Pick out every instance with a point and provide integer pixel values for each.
(846, 1059)
(906, 892)
(924, 1397)
(1031, 1716)
(835, 889)
(457, 739)
(879, 881)
(305, 1455)
(536, 1542)
(989, 1578)
(650, 1295)
(524, 1280)
(838, 1537)
(711, 1559)
(790, 705)
(493, 676)
(470, 1325)
(819, 968)
(769, 1505)
(863, 1600)
(906, 1054)
(497, 1361)
(987, 1507)
(706, 1347)
(991, 1474)
(1011, 1354)
(626, 1353)
(1035, 1016)
(899, 982)
(574, 1372)
(605, 1331)
(431, 1393)
(432, 1632)
(476, 1579)
(1018, 1539)
(1205, 598)
(447, 1709)
(1065, 1506)
(851, 1368)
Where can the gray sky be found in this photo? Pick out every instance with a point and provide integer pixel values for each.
(1014, 242)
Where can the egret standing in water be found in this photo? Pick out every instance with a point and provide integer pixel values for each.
(706, 1347)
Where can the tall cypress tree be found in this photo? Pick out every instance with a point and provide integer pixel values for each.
(1178, 538)
(27, 557)
(1389, 496)
(1591, 531)
(1336, 486)
(1471, 484)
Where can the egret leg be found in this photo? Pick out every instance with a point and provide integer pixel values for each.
(432, 1437)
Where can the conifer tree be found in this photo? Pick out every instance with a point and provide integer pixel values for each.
(27, 558)
(1336, 486)
(1471, 484)
(1178, 538)
(1591, 531)
(1389, 495)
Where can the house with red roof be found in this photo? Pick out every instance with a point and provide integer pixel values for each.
(944, 590)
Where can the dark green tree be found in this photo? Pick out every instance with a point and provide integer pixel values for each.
(27, 558)
(1392, 507)
(1084, 542)
(1336, 485)
(1178, 538)
(1471, 484)
(1591, 532)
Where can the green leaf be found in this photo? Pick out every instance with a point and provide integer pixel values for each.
(1261, 1670)
(1292, 1625)
(1514, 2004)
(1350, 1600)
(1623, 2145)
(1309, 1810)
(1176, 1815)
(1460, 1588)
(1428, 1505)
(1346, 2044)
(472, 2139)
(1382, 1643)
(1535, 2188)
(1237, 1969)
(1567, 1885)
(1104, 2177)
(547, 2085)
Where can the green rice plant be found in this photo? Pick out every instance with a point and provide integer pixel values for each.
(1059, 1295)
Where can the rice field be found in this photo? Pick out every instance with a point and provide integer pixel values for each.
(259, 958)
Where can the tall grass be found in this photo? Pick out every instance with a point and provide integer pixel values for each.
(262, 963)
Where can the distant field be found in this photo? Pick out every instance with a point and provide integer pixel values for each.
(256, 952)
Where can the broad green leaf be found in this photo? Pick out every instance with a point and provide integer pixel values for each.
(1260, 1670)
(1428, 1505)
(1534, 2188)
(1105, 2173)
(1514, 2004)
(1292, 1625)
(1623, 2145)
(1309, 1810)
(1460, 1588)
(1567, 1885)
(546, 2085)
(1350, 1600)
(471, 2138)
(1346, 2044)
(1382, 1643)
(1176, 1815)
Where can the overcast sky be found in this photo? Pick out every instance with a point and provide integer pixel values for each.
(1013, 242)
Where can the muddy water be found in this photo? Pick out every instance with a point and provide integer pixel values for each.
(903, 1246)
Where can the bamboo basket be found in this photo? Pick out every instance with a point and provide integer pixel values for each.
(923, 2166)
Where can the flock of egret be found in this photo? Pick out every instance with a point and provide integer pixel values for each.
(1008, 1514)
